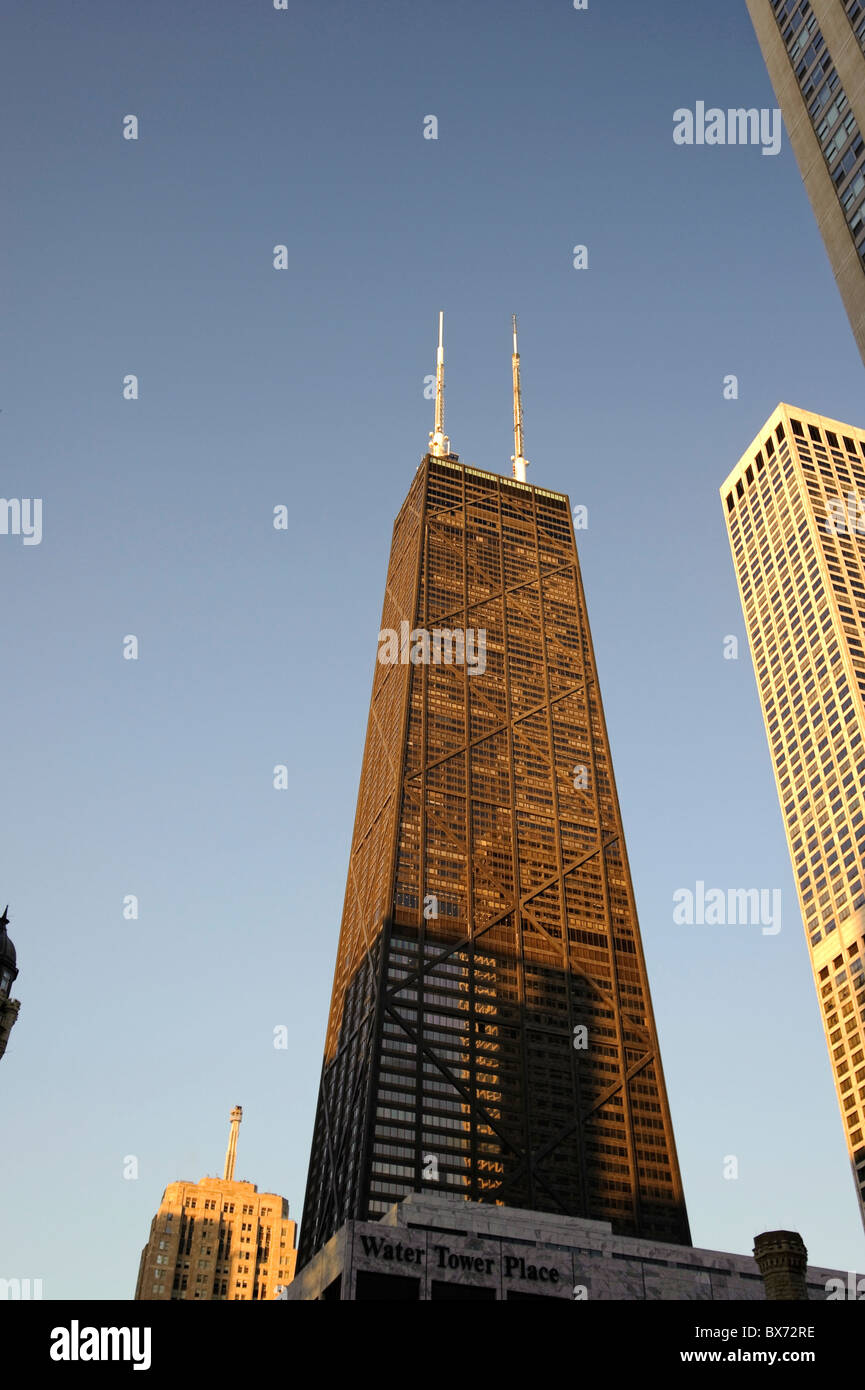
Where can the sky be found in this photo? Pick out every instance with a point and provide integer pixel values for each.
(303, 387)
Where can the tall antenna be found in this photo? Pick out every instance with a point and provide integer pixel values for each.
(231, 1155)
(439, 442)
(519, 462)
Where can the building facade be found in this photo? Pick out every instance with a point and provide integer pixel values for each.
(431, 1248)
(795, 513)
(8, 975)
(491, 1031)
(218, 1240)
(815, 53)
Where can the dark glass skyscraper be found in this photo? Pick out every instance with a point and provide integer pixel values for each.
(815, 54)
(491, 1031)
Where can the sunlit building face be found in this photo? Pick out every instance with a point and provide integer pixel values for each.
(795, 512)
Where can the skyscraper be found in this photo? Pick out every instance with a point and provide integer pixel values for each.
(8, 975)
(490, 1033)
(796, 522)
(815, 54)
(218, 1240)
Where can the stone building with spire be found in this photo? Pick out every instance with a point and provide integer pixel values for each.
(8, 974)
(218, 1239)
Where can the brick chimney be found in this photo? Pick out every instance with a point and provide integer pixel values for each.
(783, 1261)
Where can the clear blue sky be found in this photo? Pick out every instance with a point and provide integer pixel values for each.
(305, 387)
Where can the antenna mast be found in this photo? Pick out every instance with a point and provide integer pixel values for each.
(439, 442)
(519, 462)
(231, 1155)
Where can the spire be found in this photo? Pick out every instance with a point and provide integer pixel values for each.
(8, 958)
(439, 442)
(231, 1155)
(520, 464)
